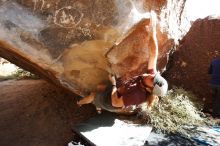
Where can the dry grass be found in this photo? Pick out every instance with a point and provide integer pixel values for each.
(176, 112)
(10, 71)
(21, 74)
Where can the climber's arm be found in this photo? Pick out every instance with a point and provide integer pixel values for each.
(153, 44)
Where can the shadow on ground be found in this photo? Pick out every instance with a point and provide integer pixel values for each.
(36, 113)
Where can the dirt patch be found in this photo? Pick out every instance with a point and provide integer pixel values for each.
(34, 112)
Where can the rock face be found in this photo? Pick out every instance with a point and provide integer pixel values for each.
(190, 63)
(67, 41)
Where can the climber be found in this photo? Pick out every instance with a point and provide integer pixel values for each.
(214, 82)
(139, 89)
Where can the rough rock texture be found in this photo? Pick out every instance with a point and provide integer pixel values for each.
(36, 113)
(66, 41)
(190, 63)
(132, 60)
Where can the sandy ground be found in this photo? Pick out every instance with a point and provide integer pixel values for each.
(35, 113)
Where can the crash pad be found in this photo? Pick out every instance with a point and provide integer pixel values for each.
(108, 129)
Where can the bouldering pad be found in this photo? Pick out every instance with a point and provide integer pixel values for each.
(108, 129)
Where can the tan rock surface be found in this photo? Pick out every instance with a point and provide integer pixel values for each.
(66, 41)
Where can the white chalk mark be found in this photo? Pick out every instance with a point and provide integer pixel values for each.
(67, 20)
(35, 3)
(136, 15)
(42, 4)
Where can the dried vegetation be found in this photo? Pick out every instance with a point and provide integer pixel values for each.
(176, 113)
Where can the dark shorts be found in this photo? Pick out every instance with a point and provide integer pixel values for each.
(103, 100)
(216, 102)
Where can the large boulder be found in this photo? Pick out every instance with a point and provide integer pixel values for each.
(66, 41)
(190, 63)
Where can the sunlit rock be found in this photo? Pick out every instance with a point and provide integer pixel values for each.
(66, 41)
(190, 63)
